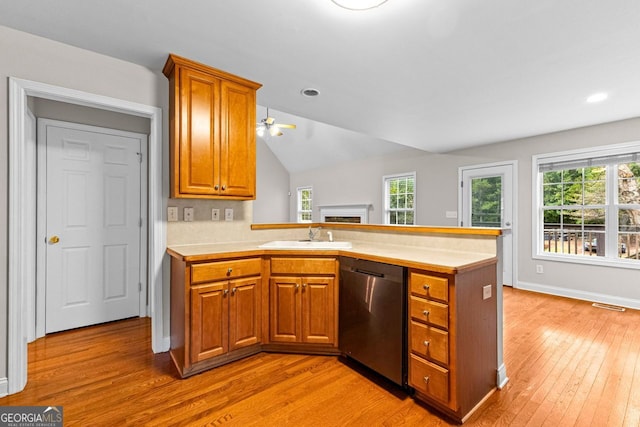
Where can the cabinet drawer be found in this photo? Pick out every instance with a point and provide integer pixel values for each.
(431, 287)
(303, 265)
(429, 379)
(221, 270)
(432, 343)
(428, 311)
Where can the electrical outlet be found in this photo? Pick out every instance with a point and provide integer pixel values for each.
(215, 214)
(228, 214)
(172, 213)
(451, 214)
(539, 269)
(486, 292)
(188, 214)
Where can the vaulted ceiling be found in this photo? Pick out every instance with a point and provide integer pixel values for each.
(436, 75)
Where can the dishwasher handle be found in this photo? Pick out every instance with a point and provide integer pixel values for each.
(368, 273)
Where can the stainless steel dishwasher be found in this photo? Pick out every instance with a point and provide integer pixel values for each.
(372, 323)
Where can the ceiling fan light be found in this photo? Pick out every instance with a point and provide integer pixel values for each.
(261, 131)
(358, 4)
(274, 131)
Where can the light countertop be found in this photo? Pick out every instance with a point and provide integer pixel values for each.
(445, 261)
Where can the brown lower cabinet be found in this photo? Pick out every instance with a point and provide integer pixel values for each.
(452, 328)
(303, 301)
(221, 312)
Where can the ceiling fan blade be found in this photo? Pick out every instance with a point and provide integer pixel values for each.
(283, 126)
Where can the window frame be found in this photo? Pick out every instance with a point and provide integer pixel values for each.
(611, 206)
(386, 179)
(299, 210)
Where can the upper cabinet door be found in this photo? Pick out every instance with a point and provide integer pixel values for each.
(212, 120)
(198, 164)
(238, 140)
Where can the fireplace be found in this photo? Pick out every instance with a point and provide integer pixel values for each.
(353, 214)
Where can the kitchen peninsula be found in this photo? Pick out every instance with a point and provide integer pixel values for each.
(230, 300)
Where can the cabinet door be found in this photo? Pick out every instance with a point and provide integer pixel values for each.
(196, 155)
(318, 310)
(285, 315)
(238, 141)
(244, 313)
(209, 321)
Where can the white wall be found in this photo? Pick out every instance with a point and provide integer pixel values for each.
(34, 58)
(361, 183)
(437, 187)
(272, 187)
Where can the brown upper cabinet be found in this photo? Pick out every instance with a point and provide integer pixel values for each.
(212, 120)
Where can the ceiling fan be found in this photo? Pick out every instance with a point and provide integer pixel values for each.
(269, 125)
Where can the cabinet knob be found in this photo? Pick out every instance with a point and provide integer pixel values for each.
(297, 286)
(224, 187)
(229, 271)
(426, 343)
(225, 292)
(425, 287)
(426, 380)
(216, 186)
(304, 285)
(233, 290)
(426, 312)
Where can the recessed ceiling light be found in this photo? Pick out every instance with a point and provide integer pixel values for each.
(310, 92)
(597, 97)
(359, 4)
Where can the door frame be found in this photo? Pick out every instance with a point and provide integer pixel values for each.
(514, 215)
(41, 217)
(21, 262)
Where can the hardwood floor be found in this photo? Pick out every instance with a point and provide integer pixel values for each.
(569, 364)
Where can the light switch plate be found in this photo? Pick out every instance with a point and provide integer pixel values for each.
(215, 214)
(486, 292)
(188, 214)
(228, 214)
(172, 213)
(451, 214)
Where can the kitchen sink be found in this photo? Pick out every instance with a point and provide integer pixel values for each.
(305, 244)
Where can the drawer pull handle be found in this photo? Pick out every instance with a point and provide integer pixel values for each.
(426, 380)
(426, 313)
(229, 270)
(426, 343)
(425, 287)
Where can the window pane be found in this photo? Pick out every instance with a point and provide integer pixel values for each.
(392, 217)
(595, 193)
(552, 194)
(409, 201)
(402, 201)
(393, 202)
(486, 202)
(554, 177)
(629, 183)
(402, 186)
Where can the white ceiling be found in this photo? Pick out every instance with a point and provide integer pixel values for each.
(437, 75)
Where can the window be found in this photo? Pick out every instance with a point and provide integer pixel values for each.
(305, 204)
(589, 205)
(399, 198)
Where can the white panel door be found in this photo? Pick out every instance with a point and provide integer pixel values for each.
(487, 200)
(92, 225)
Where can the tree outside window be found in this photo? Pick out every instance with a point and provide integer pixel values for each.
(400, 199)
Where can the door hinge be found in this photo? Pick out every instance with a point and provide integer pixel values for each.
(461, 184)
(461, 224)
(139, 157)
(140, 222)
(139, 287)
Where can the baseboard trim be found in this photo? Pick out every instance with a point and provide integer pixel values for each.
(4, 387)
(501, 377)
(581, 295)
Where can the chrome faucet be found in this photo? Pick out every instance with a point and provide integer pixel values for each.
(313, 234)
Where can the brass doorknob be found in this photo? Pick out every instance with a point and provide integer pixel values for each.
(54, 239)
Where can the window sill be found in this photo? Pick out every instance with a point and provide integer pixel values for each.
(590, 260)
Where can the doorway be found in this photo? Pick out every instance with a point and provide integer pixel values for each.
(21, 259)
(487, 199)
(90, 213)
